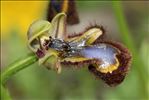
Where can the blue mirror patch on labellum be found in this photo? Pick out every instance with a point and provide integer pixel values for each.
(117, 76)
(105, 53)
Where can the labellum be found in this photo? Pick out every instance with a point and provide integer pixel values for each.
(107, 60)
(116, 76)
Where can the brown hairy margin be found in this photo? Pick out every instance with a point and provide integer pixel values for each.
(117, 76)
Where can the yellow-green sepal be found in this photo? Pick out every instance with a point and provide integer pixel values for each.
(58, 26)
(88, 36)
(36, 30)
(51, 60)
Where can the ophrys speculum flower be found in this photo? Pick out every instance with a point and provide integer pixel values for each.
(54, 47)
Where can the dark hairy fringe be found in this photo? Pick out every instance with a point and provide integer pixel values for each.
(118, 75)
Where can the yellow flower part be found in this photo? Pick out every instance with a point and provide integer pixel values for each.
(17, 15)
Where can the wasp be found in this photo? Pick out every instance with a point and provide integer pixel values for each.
(107, 60)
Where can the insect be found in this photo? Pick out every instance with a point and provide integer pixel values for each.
(106, 60)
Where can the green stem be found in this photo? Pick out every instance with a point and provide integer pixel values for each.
(13, 69)
(17, 66)
(128, 40)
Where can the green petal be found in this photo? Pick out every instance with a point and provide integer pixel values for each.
(37, 29)
(88, 36)
(59, 26)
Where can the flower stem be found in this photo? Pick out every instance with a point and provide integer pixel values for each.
(17, 66)
(12, 69)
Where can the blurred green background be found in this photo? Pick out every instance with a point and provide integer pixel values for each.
(38, 83)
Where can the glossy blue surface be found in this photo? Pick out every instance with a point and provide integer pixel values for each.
(103, 52)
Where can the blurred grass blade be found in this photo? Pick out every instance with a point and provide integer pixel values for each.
(128, 40)
(144, 51)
